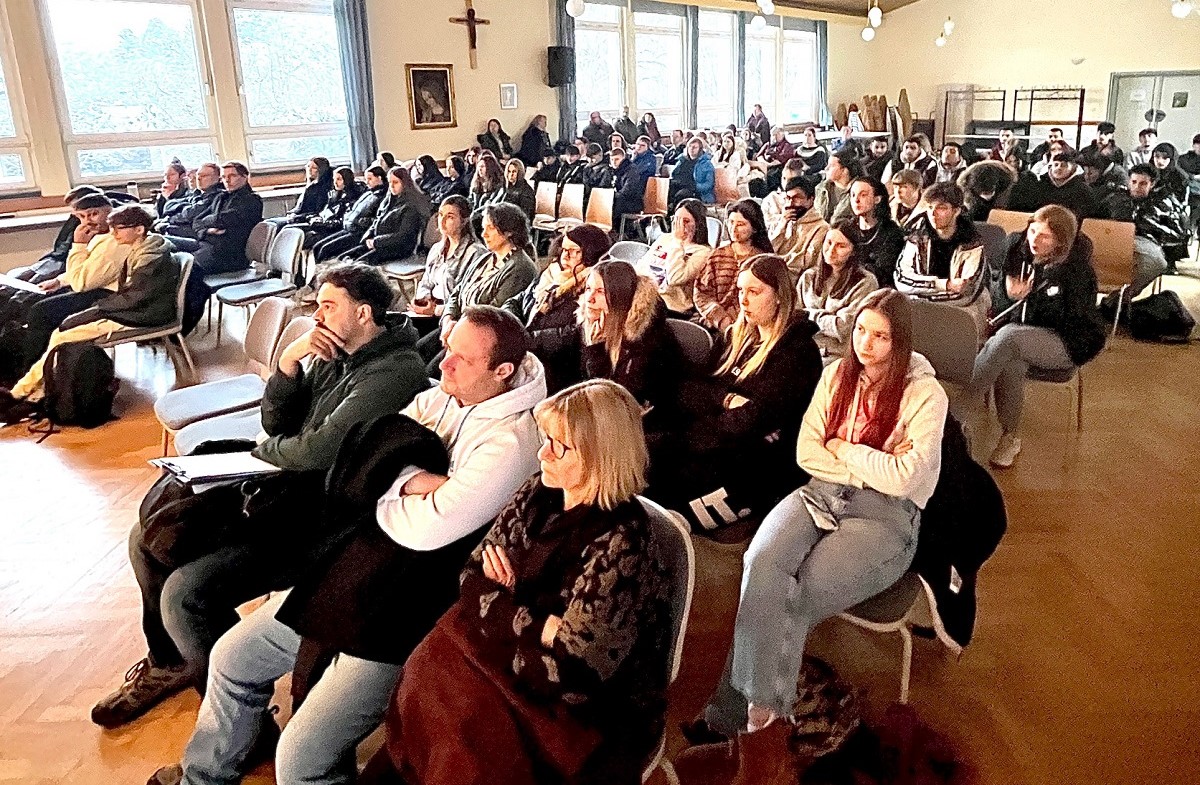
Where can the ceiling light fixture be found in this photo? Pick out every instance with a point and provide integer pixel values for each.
(758, 23)
(1182, 9)
(940, 40)
(576, 8)
(868, 33)
(875, 15)
(948, 26)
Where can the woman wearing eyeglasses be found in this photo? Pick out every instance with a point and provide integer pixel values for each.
(552, 665)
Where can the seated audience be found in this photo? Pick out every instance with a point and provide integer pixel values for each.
(625, 126)
(879, 155)
(798, 233)
(1041, 165)
(906, 195)
(549, 169)
(769, 159)
(624, 337)
(914, 156)
(358, 219)
(566, 663)
(487, 186)
(950, 164)
(1105, 144)
(548, 306)
(385, 159)
(505, 270)
(517, 189)
(832, 291)
(597, 131)
(460, 178)
(1025, 190)
(734, 456)
(833, 193)
(457, 251)
(1172, 187)
(774, 203)
(1109, 184)
(943, 260)
(629, 183)
(173, 194)
(356, 364)
(1043, 149)
(876, 238)
(597, 173)
(694, 176)
(677, 257)
(758, 125)
(495, 141)
(572, 168)
(847, 142)
(648, 127)
(814, 154)
(1153, 225)
(615, 140)
(1048, 298)
(181, 222)
(1147, 139)
(387, 584)
(399, 223)
(1065, 185)
(221, 232)
(53, 262)
(338, 203)
(871, 440)
(535, 142)
(1189, 163)
(471, 159)
(732, 155)
(677, 148)
(986, 185)
(1007, 144)
(715, 293)
(145, 297)
(318, 182)
(429, 178)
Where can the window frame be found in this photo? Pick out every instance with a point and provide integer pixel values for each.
(632, 77)
(252, 133)
(582, 114)
(702, 34)
(74, 143)
(781, 98)
(20, 144)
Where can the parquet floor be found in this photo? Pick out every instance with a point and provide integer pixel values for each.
(1083, 668)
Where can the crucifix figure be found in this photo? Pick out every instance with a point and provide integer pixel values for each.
(471, 20)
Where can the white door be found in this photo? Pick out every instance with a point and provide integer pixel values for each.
(1168, 102)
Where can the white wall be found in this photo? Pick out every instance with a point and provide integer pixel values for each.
(1022, 43)
(512, 49)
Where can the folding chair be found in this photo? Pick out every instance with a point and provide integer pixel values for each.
(282, 259)
(1009, 220)
(1112, 258)
(654, 203)
(725, 187)
(627, 251)
(257, 247)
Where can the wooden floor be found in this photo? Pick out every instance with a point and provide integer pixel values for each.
(1083, 669)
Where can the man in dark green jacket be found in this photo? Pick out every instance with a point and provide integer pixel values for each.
(357, 364)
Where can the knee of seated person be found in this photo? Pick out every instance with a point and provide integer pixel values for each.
(298, 756)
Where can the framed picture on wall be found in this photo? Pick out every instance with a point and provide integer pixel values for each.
(430, 95)
(508, 96)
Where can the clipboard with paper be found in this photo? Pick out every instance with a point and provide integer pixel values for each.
(218, 468)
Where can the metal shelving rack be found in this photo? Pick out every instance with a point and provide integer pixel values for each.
(977, 95)
(1035, 95)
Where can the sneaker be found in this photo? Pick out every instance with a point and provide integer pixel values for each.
(1006, 451)
(145, 687)
(167, 775)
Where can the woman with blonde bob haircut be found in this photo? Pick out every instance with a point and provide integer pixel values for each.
(560, 637)
(735, 453)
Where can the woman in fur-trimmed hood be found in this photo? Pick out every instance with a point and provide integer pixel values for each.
(985, 186)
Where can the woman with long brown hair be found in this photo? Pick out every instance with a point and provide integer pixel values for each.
(715, 293)
(871, 439)
(831, 292)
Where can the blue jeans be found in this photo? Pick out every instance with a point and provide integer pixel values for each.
(319, 742)
(795, 576)
(1004, 362)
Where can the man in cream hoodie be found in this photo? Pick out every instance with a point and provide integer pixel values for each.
(483, 411)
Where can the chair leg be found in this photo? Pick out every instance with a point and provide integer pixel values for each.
(187, 355)
(165, 439)
(1079, 400)
(220, 318)
(1120, 305)
(905, 662)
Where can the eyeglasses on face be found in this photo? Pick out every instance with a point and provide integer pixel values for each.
(557, 448)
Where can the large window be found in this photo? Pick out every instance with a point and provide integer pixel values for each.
(131, 85)
(598, 62)
(289, 71)
(799, 77)
(716, 76)
(762, 56)
(781, 71)
(658, 44)
(15, 170)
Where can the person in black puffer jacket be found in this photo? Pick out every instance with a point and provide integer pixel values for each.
(357, 219)
(398, 226)
(338, 202)
(737, 450)
(1048, 296)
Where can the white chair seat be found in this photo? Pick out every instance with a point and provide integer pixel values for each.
(184, 407)
(246, 424)
(248, 293)
(411, 267)
(221, 280)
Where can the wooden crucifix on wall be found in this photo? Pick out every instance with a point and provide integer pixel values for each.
(472, 21)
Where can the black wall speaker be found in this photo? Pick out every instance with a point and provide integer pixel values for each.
(560, 65)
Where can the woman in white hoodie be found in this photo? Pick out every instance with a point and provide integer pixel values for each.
(871, 439)
(677, 257)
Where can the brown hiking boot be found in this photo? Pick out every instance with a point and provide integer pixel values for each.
(145, 687)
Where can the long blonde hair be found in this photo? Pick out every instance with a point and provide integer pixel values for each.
(773, 271)
(602, 421)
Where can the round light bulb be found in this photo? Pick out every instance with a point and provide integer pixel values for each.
(875, 16)
(868, 33)
(1180, 9)
(576, 8)
(948, 27)
(758, 23)
(767, 7)
(940, 40)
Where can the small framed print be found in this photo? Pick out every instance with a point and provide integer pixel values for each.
(508, 96)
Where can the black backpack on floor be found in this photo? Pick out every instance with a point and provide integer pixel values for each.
(1162, 318)
(81, 385)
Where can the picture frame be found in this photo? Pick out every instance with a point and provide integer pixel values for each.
(508, 96)
(430, 95)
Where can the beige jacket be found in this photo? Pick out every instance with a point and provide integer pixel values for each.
(799, 242)
(674, 266)
(96, 265)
